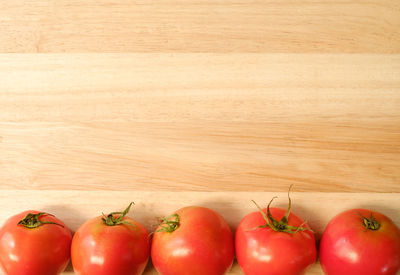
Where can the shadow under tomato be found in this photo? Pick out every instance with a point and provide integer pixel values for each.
(70, 216)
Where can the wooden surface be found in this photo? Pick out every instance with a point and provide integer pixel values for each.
(357, 26)
(75, 207)
(107, 101)
(233, 122)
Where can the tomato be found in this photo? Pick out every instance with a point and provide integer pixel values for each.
(34, 243)
(195, 240)
(273, 241)
(360, 241)
(112, 244)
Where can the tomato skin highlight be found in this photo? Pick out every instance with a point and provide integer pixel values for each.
(347, 247)
(263, 251)
(44, 250)
(202, 244)
(103, 250)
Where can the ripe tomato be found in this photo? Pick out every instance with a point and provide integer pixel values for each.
(112, 244)
(34, 243)
(360, 241)
(194, 240)
(273, 241)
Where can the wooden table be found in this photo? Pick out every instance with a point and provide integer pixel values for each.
(215, 103)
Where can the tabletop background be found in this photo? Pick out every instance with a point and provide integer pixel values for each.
(107, 101)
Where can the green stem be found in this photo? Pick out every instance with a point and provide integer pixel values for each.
(169, 224)
(33, 220)
(111, 220)
(281, 225)
(370, 223)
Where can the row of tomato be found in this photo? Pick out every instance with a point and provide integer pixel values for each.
(198, 241)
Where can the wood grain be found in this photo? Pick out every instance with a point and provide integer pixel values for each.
(263, 26)
(233, 122)
(75, 207)
(107, 101)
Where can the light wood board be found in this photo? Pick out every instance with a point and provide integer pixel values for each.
(340, 26)
(75, 207)
(107, 101)
(234, 122)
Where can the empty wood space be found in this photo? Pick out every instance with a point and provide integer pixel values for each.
(236, 122)
(200, 26)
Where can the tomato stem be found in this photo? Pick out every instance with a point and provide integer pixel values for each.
(281, 225)
(169, 224)
(32, 220)
(370, 223)
(111, 220)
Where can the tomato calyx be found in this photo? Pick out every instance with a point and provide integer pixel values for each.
(370, 223)
(112, 220)
(33, 220)
(281, 225)
(169, 224)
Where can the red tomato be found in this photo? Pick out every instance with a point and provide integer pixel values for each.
(34, 243)
(196, 241)
(360, 241)
(113, 244)
(274, 242)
